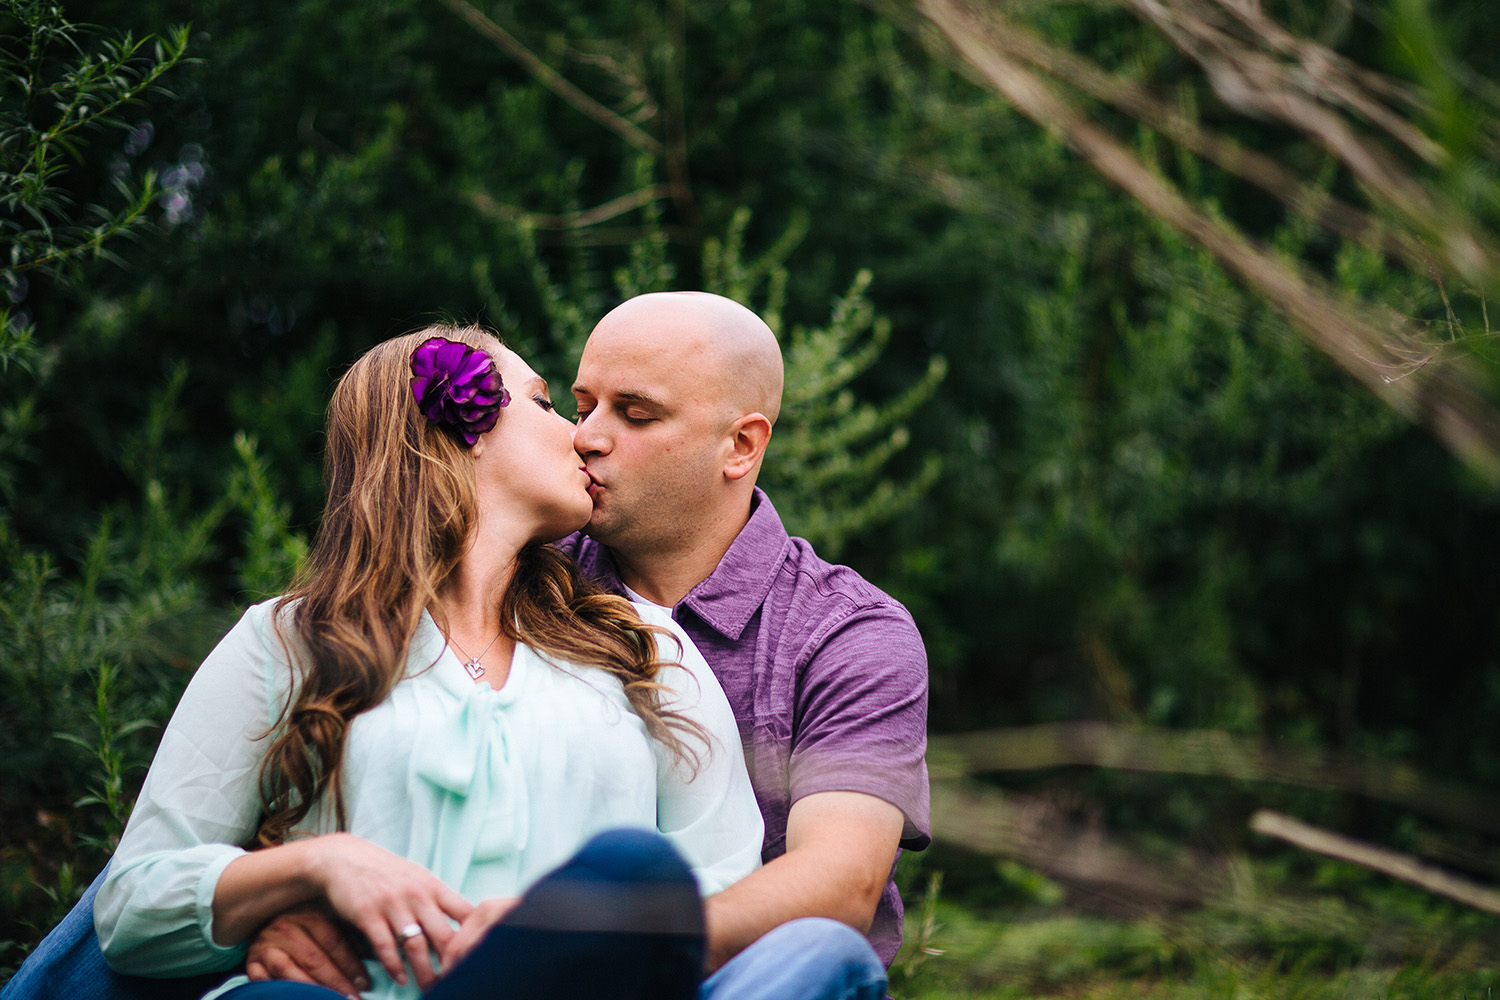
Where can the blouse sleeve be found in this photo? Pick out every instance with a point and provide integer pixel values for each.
(154, 913)
(705, 804)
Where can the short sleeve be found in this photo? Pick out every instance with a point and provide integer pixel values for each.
(705, 804)
(200, 800)
(861, 721)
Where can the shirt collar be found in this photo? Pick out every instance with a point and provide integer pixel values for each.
(729, 597)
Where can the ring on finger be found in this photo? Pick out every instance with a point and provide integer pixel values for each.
(411, 930)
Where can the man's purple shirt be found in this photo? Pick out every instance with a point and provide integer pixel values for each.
(825, 672)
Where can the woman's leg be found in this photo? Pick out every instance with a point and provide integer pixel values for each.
(622, 919)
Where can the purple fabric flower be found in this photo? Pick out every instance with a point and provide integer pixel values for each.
(457, 387)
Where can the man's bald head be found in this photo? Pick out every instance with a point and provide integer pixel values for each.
(677, 392)
(727, 349)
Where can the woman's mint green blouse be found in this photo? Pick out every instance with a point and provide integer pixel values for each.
(487, 789)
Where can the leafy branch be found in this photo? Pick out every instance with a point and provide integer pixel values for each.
(52, 88)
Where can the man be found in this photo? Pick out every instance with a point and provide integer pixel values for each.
(677, 395)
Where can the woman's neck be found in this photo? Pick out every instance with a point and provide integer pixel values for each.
(469, 604)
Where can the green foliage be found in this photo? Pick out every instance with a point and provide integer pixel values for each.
(1132, 493)
(273, 551)
(827, 456)
(58, 83)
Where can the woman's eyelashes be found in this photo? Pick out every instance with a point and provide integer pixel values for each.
(543, 402)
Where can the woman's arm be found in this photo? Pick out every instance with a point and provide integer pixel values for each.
(199, 801)
(378, 892)
(181, 897)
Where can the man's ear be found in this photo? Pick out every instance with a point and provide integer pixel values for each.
(748, 439)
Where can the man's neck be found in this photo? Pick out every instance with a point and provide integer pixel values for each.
(666, 576)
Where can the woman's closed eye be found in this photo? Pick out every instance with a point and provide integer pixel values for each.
(543, 402)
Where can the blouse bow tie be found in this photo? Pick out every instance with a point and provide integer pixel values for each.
(478, 789)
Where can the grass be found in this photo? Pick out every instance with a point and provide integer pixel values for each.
(1289, 928)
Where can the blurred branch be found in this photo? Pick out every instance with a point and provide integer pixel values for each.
(1038, 834)
(915, 176)
(1266, 72)
(1419, 380)
(1187, 130)
(1209, 753)
(1380, 859)
(552, 79)
(487, 205)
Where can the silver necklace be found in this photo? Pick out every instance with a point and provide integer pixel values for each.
(472, 665)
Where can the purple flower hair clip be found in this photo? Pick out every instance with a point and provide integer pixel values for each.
(457, 387)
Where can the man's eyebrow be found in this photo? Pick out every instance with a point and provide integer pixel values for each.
(640, 396)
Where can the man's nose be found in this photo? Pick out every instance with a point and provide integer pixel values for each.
(587, 440)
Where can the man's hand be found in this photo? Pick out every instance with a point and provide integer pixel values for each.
(307, 945)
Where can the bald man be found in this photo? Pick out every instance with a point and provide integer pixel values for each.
(677, 395)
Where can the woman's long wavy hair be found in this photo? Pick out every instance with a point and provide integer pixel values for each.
(401, 506)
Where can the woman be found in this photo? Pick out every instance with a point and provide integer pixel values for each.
(439, 713)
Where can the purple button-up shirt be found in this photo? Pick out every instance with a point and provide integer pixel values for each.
(825, 672)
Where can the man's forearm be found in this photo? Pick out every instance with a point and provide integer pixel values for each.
(788, 888)
(840, 847)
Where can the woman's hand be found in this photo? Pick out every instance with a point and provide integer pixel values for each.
(388, 898)
(484, 916)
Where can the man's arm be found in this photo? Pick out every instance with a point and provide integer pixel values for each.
(839, 850)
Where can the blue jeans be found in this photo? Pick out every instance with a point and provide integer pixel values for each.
(68, 964)
(808, 959)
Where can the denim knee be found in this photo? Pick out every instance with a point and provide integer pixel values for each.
(620, 881)
(812, 958)
(835, 943)
(627, 854)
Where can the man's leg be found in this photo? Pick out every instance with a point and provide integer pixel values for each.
(808, 959)
(622, 919)
(68, 963)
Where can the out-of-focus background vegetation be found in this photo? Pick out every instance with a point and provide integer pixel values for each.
(1142, 347)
